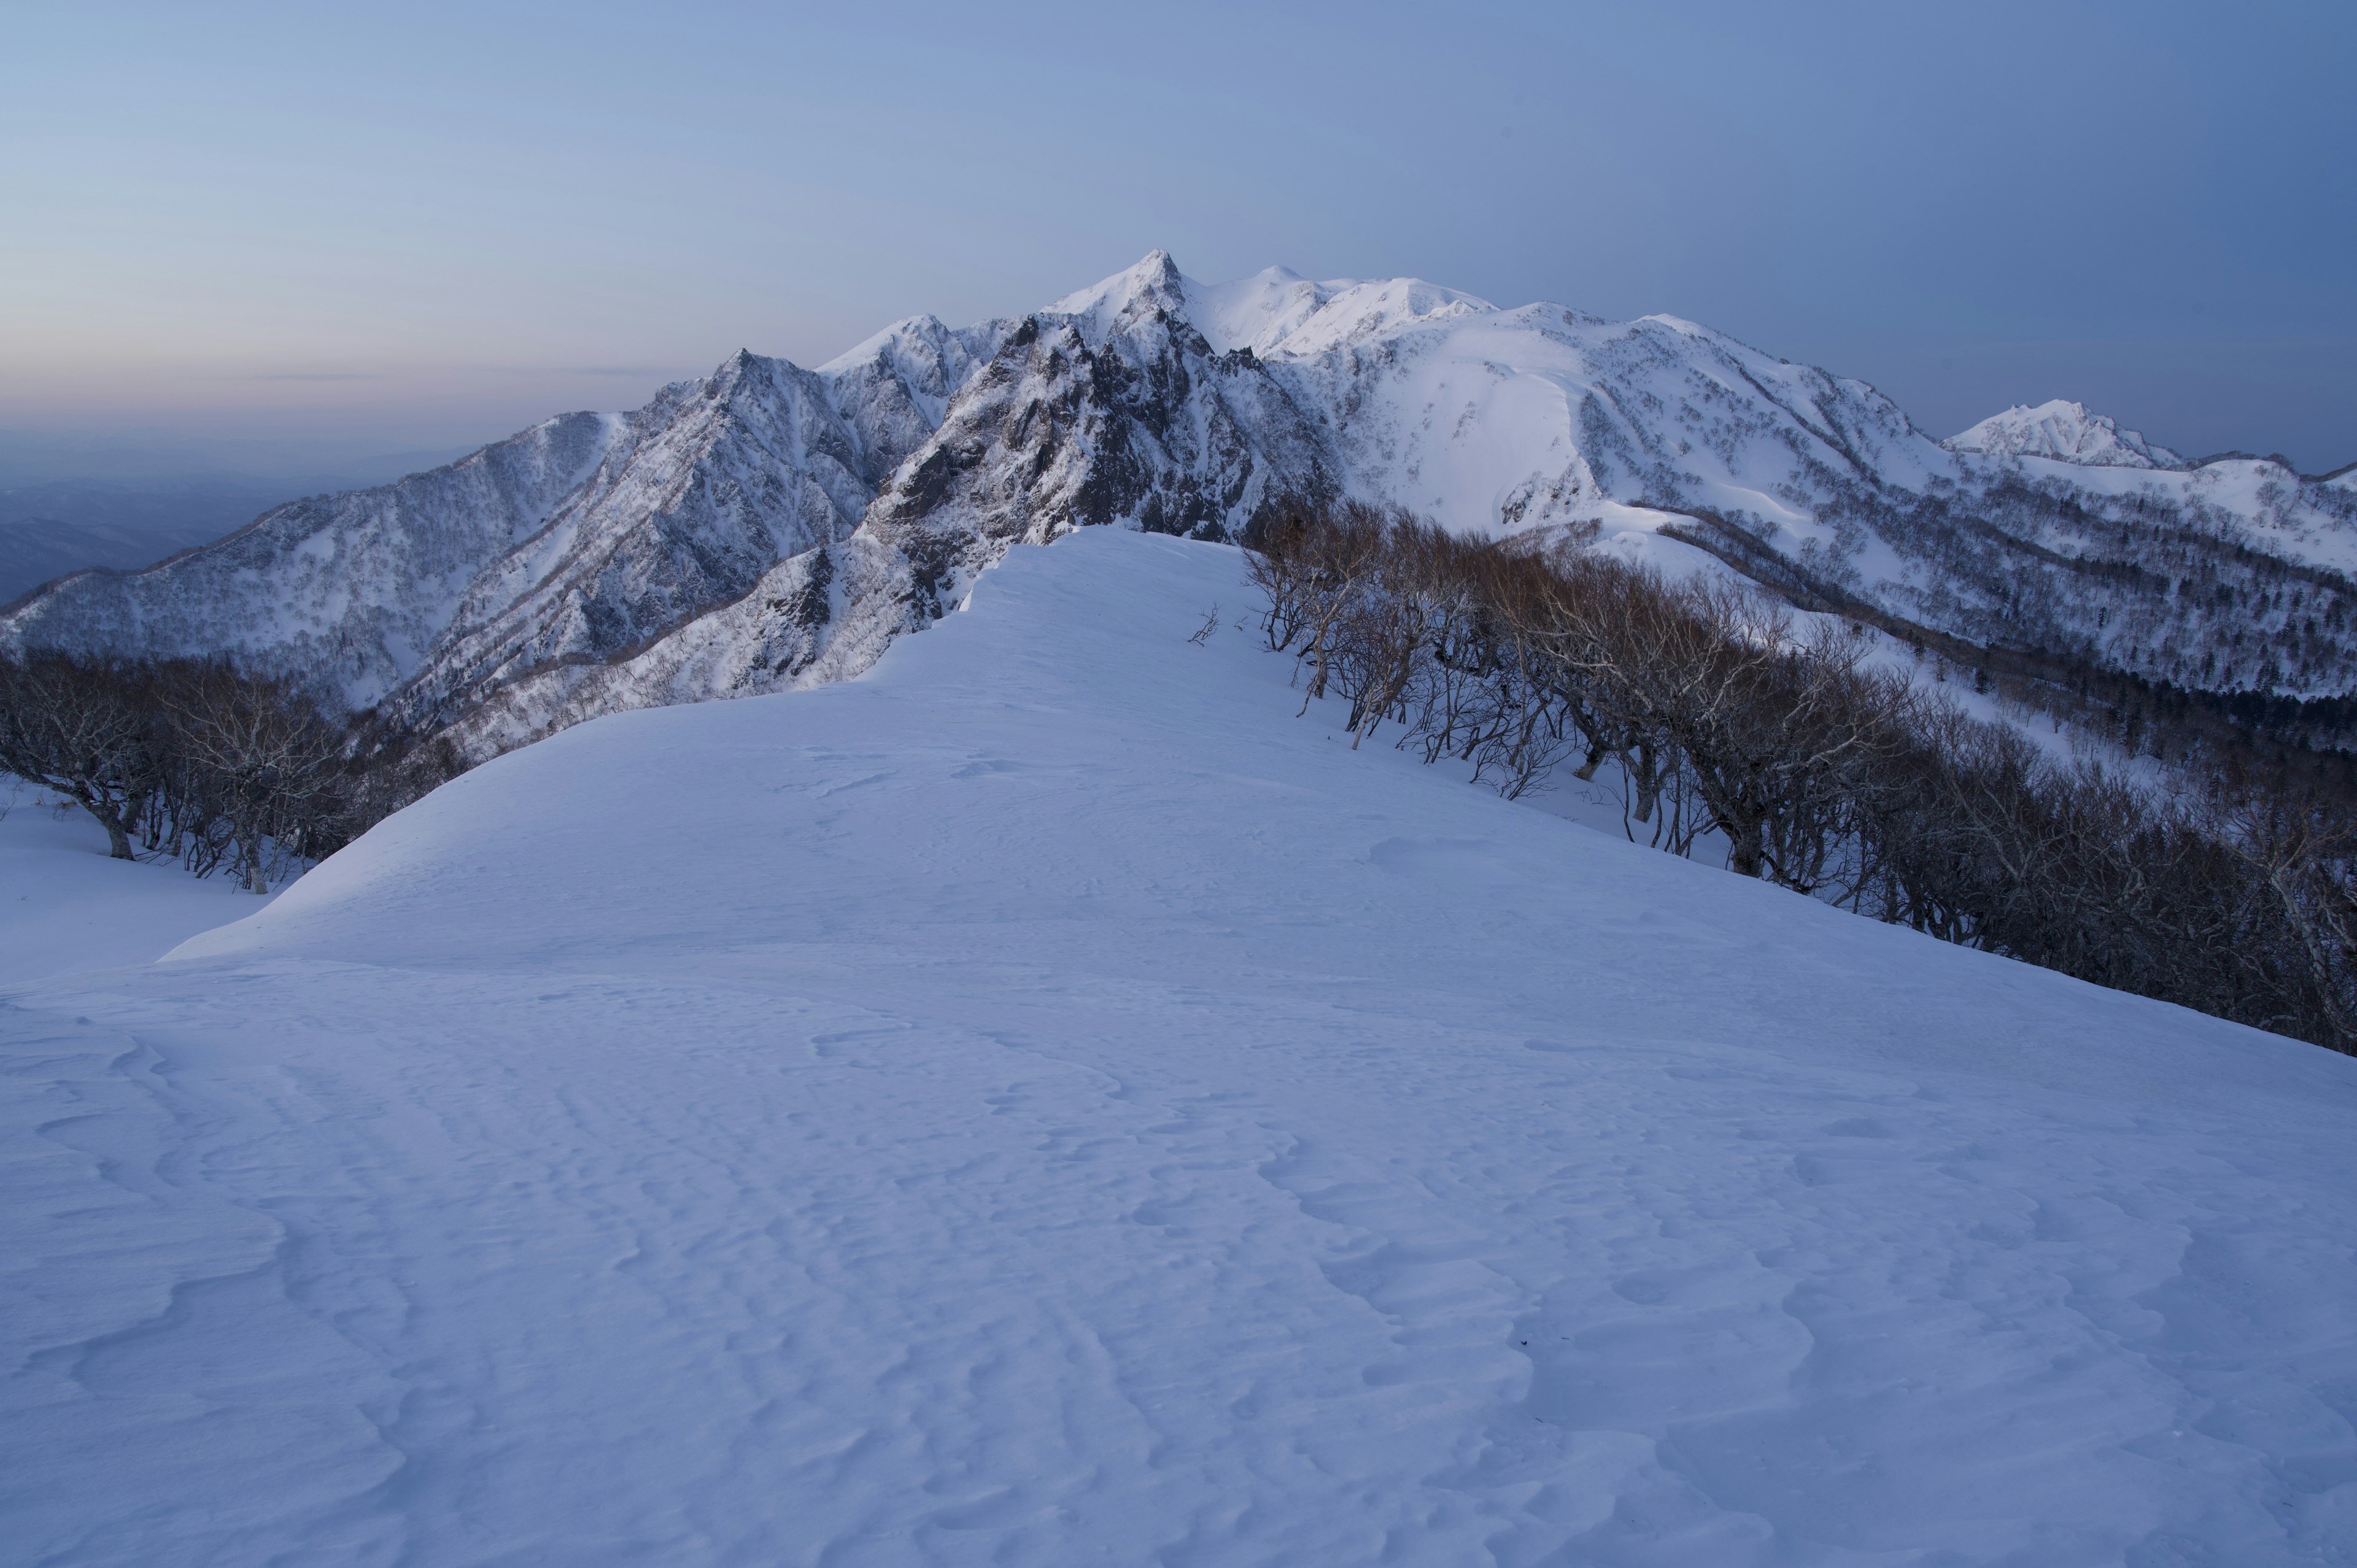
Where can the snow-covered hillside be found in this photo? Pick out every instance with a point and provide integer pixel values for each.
(770, 526)
(64, 905)
(1041, 1102)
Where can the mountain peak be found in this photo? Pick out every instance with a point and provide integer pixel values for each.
(1153, 283)
(2064, 432)
(737, 369)
(920, 328)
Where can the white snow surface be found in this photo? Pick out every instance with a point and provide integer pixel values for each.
(1040, 1102)
(66, 907)
(2065, 431)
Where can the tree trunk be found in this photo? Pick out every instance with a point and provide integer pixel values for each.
(250, 851)
(118, 837)
(1745, 853)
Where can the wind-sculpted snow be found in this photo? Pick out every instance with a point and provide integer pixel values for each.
(2065, 431)
(1041, 1102)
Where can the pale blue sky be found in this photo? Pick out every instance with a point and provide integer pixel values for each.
(433, 223)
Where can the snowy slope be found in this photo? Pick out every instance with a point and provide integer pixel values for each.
(2048, 529)
(1040, 1102)
(1494, 419)
(66, 907)
(2066, 433)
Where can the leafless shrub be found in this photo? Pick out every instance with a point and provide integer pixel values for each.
(87, 729)
(205, 763)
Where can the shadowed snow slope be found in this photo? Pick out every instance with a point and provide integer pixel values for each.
(64, 905)
(1040, 1102)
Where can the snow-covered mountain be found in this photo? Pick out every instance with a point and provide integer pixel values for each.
(1042, 1103)
(574, 540)
(2065, 431)
(771, 526)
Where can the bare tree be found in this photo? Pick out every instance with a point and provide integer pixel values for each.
(1720, 711)
(270, 760)
(87, 729)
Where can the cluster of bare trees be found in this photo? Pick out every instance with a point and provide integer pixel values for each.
(1723, 718)
(200, 762)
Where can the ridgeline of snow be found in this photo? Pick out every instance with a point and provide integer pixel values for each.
(1040, 1102)
(770, 527)
(2066, 433)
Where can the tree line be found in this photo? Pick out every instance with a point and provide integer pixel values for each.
(198, 761)
(1725, 718)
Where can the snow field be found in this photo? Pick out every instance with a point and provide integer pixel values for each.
(1040, 1102)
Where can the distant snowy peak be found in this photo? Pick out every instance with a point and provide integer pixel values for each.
(1274, 312)
(2066, 433)
(1257, 312)
(1280, 314)
(1135, 295)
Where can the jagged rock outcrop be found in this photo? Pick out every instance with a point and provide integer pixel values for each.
(1110, 407)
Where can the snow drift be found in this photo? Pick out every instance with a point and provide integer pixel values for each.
(1041, 1102)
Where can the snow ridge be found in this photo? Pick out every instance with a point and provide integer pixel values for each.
(1042, 1103)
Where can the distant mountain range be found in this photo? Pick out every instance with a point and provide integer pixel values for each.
(771, 526)
(51, 526)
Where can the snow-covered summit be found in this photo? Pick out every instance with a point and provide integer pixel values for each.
(1153, 284)
(1257, 312)
(1279, 312)
(2065, 431)
(1274, 312)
